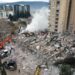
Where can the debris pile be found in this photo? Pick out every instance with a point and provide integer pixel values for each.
(33, 49)
(6, 26)
(44, 47)
(41, 48)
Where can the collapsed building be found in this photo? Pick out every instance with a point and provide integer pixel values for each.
(41, 48)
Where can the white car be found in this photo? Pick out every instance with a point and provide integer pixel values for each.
(5, 53)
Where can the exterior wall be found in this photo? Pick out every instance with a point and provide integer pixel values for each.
(16, 9)
(28, 8)
(9, 12)
(52, 15)
(62, 15)
(21, 8)
(64, 6)
(72, 18)
(3, 14)
(5, 11)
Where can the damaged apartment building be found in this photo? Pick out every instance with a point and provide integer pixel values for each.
(62, 16)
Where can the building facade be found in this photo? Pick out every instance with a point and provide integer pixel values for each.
(5, 11)
(62, 16)
(71, 17)
(21, 10)
(2, 14)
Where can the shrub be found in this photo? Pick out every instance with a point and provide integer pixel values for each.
(65, 70)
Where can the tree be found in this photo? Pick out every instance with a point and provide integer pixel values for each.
(10, 17)
(65, 70)
(3, 72)
(2, 69)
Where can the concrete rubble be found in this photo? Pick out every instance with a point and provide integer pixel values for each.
(38, 49)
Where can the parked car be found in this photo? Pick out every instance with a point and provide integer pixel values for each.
(4, 53)
(10, 65)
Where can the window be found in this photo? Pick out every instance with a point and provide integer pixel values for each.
(56, 26)
(56, 22)
(56, 30)
(57, 14)
(57, 11)
(58, 2)
(50, 25)
(57, 18)
(58, 5)
(1, 14)
(74, 32)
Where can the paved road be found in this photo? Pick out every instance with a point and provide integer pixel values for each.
(12, 72)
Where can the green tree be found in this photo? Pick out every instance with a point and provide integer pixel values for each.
(65, 70)
(3, 72)
(2, 69)
(10, 17)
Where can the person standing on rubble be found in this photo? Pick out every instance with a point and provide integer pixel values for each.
(38, 70)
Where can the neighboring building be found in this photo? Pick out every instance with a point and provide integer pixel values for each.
(21, 10)
(28, 8)
(9, 10)
(62, 16)
(9, 7)
(2, 14)
(5, 11)
(71, 17)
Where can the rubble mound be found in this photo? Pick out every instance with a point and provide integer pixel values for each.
(67, 60)
(6, 26)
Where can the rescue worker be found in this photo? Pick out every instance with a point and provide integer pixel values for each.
(38, 70)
